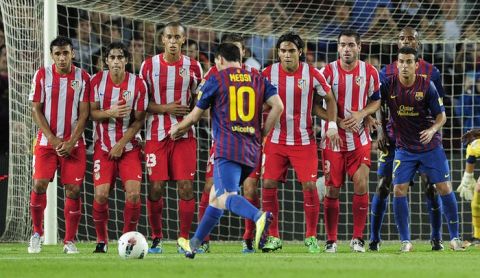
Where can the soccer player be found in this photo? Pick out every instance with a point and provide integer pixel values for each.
(386, 141)
(250, 183)
(356, 87)
(236, 97)
(118, 106)
(172, 79)
(292, 141)
(469, 188)
(417, 115)
(60, 106)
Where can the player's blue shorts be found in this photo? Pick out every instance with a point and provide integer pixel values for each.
(228, 175)
(385, 162)
(433, 163)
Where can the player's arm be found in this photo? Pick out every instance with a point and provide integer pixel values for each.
(115, 111)
(276, 109)
(204, 98)
(467, 186)
(356, 117)
(42, 123)
(437, 109)
(192, 118)
(117, 150)
(317, 108)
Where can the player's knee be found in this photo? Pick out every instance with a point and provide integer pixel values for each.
(400, 190)
(40, 186)
(101, 197)
(185, 190)
(250, 189)
(332, 192)
(133, 197)
(156, 190)
(310, 185)
(72, 191)
(270, 184)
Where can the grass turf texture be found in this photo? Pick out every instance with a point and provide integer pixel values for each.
(226, 260)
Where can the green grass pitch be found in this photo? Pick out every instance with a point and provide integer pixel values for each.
(226, 260)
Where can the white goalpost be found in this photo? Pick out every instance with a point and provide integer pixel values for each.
(30, 25)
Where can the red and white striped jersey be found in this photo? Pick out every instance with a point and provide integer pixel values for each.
(296, 91)
(169, 82)
(61, 95)
(132, 91)
(352, 90)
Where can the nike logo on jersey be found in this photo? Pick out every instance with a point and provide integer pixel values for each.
(365, 158)
(139, 176)
(447, 175)
(192, 174)
(78, 179)
(393, 97)
(314, 176)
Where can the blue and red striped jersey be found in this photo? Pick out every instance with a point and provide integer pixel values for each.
(425, 69)
(412, 110)
(236, 98)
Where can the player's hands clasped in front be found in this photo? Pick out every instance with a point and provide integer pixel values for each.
(55, 142)
(176, 132)
(466, 187)
(119, 110)
(426, 135)
(65, 148)
(116, 152)
(335, 140)
(177, 109)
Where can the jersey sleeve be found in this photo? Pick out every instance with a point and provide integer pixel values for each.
(320, 83)
(197, 78)
(374, 85)
(207, 94)
(270, 90)
(473, 149)
(37, 93)
(383, 74)
(141, 102)
(145, 74)
(85, 93)
(437, 80)
(94, 97)
(435, 102)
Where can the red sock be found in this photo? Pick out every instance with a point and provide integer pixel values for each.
(204, 201)
(100, 217)
(360, 211)
(186, 212)
(249, 224)
(155, 209)
(72, 212)
(311, 205)
(131, 214)
(38, 203)
(270, 203)
(331, 209)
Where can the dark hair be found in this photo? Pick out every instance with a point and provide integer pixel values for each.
(408, 50)
(61, 41)
(349, 33)
(174, 24)
(233, 37)
(117, 45)
(293, 38)
(229, 51)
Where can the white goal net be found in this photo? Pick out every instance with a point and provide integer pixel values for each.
(449, 34)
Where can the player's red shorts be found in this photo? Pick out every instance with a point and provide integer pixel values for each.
(255, 174)
(127, 167)
(303, 159)
(335, 164)
(72, 168)
(171, 160)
